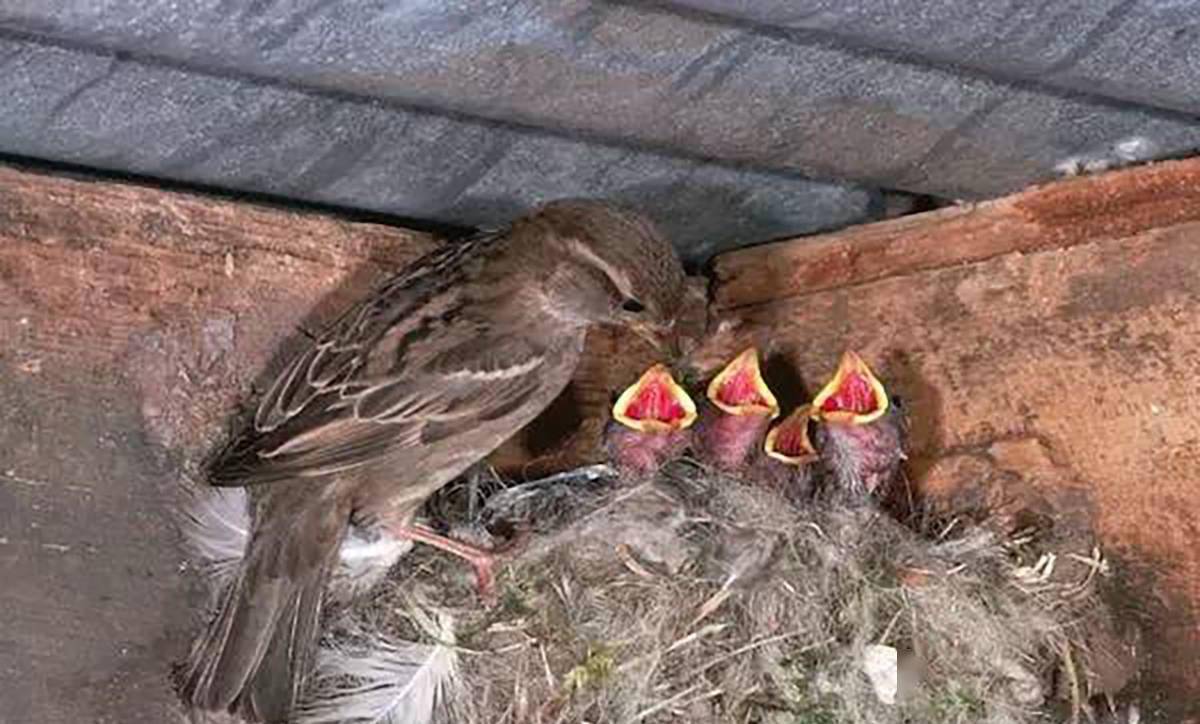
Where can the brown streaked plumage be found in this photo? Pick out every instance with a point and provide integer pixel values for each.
(424, 377)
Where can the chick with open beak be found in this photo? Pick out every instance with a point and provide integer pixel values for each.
(860, 433)
(735, 417)
(650, 424)
(788, 460)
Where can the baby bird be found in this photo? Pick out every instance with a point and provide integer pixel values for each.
(860, 434)
(735, 417)
(789, 462)
(649, 425)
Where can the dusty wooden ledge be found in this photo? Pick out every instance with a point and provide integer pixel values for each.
(188, 300)
(1046, 341)
(1054, 216)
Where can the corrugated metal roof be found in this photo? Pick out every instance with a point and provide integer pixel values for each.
(731, 122)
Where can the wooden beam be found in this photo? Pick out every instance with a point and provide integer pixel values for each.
(1055, 216)
(176, 292)
(1045, 342)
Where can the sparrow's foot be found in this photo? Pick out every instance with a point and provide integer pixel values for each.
(483, 561)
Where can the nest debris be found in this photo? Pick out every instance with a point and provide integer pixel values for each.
(695, 597)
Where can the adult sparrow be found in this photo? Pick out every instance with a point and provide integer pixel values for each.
(649, 425)
(735, 418)
(404, 392)
(860, 433)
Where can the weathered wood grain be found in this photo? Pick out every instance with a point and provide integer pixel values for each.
(134, 324)
(1064, 381)
(1048, 342)
(1073, 211)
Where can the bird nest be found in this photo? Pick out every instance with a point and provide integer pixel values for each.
(740, 586)
(697, 597)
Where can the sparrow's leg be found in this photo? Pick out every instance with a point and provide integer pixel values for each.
(483, 561)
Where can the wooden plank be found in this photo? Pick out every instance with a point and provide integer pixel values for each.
(1065, 378)
(1078, 210)
(188, 292)
(133, 322)
(1047, 339)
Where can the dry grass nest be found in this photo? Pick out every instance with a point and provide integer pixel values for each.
(698, 598)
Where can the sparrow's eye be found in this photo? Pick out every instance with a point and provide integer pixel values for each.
(633, 306)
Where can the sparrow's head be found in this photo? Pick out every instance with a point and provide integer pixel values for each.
(615, 268)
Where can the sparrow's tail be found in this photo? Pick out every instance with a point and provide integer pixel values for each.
(259, 649)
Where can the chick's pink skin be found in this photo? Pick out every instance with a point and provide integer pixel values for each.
(641, 454)
(650, 424)
(728, 442)
(736, 415)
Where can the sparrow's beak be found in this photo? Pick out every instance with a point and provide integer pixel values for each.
(739, 388)
(788, 441)
(655, 403)
(664, 337)
(854, 395)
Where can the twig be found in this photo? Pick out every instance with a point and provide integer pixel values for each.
(630, 562)
(587, 472)
(951, 526)
(659, 653)
(888, 631)
(1073, 678)
(712, 605)
(546, 664)
(712, 628)
(663, 704)
(757, 644)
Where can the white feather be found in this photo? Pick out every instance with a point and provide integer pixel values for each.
(364, 561)
(216, 526)
(383, 681)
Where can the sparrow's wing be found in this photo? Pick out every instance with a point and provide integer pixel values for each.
(412, 364)
(356, 419)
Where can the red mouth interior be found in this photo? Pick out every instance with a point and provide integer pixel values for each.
(855, 395)
(654, 401)
(792, 440)
(740, 389)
